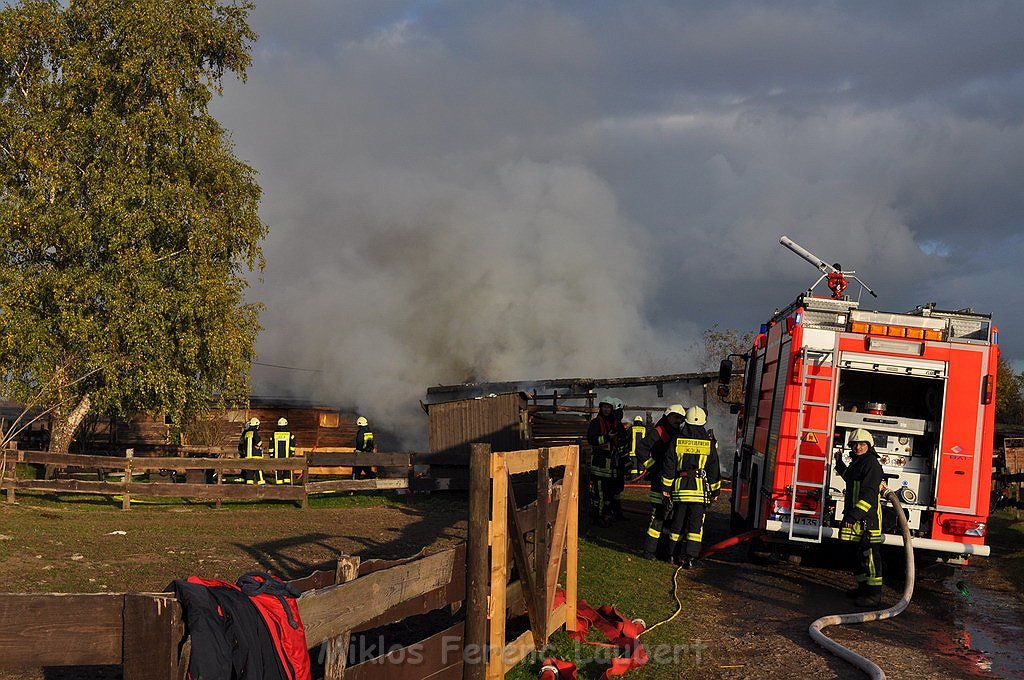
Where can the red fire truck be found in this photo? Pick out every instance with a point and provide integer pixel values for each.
(922, 382)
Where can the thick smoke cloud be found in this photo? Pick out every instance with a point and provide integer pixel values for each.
(483, 190)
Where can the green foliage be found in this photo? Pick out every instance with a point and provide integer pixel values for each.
(127, 225)
(1009, 397)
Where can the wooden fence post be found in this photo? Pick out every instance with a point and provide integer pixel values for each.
(126, 499)
(13, 465)
(337, 647)
(478, 573)
(305, 482)
(152, 632)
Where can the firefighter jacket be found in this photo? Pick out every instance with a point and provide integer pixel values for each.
(650, 453)
(284, 443)
(248, 629)
(690, 466)
(250, 445)
(364, 440)
(636, 435)
(605, 436)
(862, 502)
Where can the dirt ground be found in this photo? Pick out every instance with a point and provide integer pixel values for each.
(753, 617)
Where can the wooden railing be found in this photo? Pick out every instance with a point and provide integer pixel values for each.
(205, 477)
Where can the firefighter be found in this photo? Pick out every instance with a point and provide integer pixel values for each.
(637, 432)
(650, 453)
(604, 435)
(364, 444)
(251, 446)
(690, 481)
(283, 447)
(862, 517)
(620, 453)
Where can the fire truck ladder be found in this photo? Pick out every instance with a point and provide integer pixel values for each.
(817, 358)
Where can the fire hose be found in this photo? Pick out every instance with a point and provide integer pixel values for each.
(846, 654)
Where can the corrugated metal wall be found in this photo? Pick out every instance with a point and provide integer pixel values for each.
(496, 420)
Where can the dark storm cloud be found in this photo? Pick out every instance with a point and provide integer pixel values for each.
(506, 190)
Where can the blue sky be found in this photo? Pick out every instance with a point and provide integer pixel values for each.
(504, 190)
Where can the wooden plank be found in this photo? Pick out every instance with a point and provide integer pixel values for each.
(527, 576)
(360, 459)
(543, 593)
(450, 593)
(477, 553)
(336, 657)
(71, 460)
(440, 655)
(153, 629)
(318, 579)
(331, 611)
(572, 534)
(357, 485)
(498, 538)
(225, 491)
(54, 629)
(512, 653)
(526, 461)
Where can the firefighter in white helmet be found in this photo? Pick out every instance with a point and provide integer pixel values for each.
(283, 447)
(364, 444)
(605, 434)
(690, 481)
(862, 517)
(650, 454)
(251, 446)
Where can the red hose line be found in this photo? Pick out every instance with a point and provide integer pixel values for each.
(731, 541)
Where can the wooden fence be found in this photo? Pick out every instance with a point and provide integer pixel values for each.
(144, 632)
(204, 477)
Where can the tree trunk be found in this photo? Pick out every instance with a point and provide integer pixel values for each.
(64, 425)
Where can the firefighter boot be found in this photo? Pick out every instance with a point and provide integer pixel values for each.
(872, 597)
(854, 593)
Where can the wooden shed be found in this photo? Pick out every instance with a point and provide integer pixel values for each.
(495, 419)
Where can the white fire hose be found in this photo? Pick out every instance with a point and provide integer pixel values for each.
(857, 660)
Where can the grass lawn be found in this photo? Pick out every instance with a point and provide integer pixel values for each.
(637, 589)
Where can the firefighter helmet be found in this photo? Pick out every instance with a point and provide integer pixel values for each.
(254, 422)
(677, 409)
(282, 422)
(607, 400)
(639, 419)
(695, 415)
(362, 422)
(862, 435)
(616, 403)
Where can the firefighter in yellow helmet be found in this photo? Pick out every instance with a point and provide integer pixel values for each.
(862, 517)
(364, 444)
(650, 454)
(251, 446)
(283, 447)
(690, 481)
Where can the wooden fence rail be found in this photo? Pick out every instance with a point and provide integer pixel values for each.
(144, 632)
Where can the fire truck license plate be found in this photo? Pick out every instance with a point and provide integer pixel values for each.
(807, 521)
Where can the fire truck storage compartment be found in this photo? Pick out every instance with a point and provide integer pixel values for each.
(906, 435)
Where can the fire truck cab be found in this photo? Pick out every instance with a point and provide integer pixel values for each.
(921, 382)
